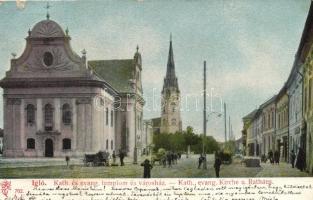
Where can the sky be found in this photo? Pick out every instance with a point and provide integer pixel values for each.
(248, 45)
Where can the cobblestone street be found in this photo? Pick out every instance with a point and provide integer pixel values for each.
(186, 167)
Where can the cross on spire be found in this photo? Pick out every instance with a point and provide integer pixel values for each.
(48, 7)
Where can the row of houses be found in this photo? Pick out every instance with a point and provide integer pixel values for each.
(285, 121)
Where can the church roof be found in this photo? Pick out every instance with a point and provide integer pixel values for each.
(46, 29)
(117, 73)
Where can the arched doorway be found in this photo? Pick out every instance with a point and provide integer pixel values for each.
(49, 148)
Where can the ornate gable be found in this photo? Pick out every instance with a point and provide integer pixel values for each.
(48, 54)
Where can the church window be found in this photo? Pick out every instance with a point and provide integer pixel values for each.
(111, 118)
(66, 143)
(173, 107)
(48, 59)
(48, 117)
(107, 144)
(66, 114)
(30, 113)
(111, 144)
(107, 116)
(30, 143)
(173, 121)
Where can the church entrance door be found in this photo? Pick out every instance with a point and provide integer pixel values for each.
(49, 148)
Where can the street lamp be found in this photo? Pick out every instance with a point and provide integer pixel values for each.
(204, 135)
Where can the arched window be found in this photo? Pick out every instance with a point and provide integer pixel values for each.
(111, 118)
(30, 143)
(107, 116)
(30, 114)
(48, 117)
(66, 143)
(173, 105)
(111, 144)
(66, 114)
(173, 121)
(107, 144)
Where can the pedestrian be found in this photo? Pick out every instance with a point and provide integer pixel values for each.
(292, 158)
(270, 156)
(163, 159)
(217, 165)
(121, 155)
(67, 159)
(200, 160)
(276, 157)
(300, 163)
(175, 158)
(146, 168)
(169, 159)
(114, 157)
(172, 158)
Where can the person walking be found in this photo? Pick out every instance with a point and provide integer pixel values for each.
(169, 159)
(292, 158)
(121, 155)
(217, 165)
(200, 160)
(270, 156)
(146, 169)
(163, 159)
(300, 164)
(276, 157)
(67, 159)
(114, 157)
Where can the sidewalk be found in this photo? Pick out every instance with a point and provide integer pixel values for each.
(281, 170)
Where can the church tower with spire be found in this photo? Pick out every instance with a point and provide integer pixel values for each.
(170, 102)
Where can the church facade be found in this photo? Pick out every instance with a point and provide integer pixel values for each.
(170, 98)
(57, 103)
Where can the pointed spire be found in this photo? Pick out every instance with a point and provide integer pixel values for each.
(66, 31)
(170, 62)
(170, 78)
(137, 48)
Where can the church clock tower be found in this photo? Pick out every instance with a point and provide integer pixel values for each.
(170, 98)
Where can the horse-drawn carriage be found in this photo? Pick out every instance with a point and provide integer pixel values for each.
(99, 159)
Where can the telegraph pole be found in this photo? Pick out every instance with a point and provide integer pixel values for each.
(225, 122)
(204, 115)
(229, 129)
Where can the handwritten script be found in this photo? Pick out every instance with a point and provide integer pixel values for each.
(161, 189)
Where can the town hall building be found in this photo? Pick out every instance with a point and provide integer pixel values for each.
(56, 103)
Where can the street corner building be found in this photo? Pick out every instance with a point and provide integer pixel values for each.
(57, 103)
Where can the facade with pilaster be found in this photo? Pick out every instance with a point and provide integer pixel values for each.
(268, 125)
(282, 122)
(57, 103)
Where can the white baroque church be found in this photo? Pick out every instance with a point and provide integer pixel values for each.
(57, 103)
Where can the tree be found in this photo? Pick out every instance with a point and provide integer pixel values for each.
(181, 140)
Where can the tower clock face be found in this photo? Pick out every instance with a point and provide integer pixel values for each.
(48, 59)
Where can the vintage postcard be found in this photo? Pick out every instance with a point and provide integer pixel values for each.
(171, 99)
